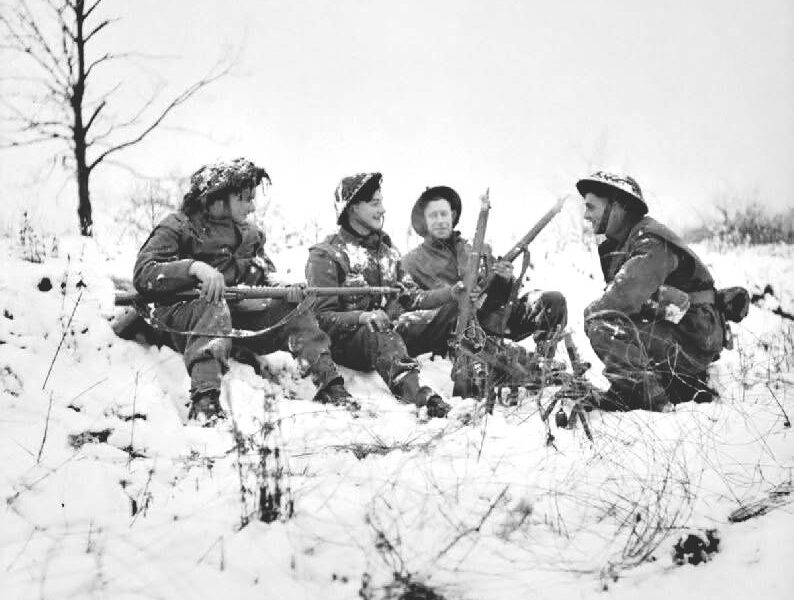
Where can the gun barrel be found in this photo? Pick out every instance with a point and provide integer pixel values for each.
(237, 293)
(518, 248)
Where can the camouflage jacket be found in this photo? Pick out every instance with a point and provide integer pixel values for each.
(436, 263)
(348, 259)
(645, 256)
(163, 261)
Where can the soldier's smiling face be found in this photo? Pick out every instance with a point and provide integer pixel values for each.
(594, 209)
(368, 215)
(438, 218)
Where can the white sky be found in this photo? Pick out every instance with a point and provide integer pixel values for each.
(695, 99)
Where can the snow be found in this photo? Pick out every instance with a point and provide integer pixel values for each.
(108, 494)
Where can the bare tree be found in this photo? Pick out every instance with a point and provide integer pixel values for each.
(53, 104)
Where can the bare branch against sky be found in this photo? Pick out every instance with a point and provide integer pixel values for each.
(65, 102)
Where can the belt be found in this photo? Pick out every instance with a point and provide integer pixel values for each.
(702, 297)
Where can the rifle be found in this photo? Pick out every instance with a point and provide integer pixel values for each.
(496, 322)
(468, 334)
(234, 294)
(521, 245)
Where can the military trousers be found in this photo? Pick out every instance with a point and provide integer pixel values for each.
(206, 356)
(651, 362)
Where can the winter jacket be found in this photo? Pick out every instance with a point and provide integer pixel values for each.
(164, 260)
(436, 263)
(646, 255)
(348, 259)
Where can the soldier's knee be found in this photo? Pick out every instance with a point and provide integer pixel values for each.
(602, 333)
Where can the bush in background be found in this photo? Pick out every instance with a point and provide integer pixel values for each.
(751, 224)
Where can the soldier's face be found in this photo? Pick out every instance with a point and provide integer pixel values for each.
(241, 205)
(438, 218)
(369, 214)
(594, 209)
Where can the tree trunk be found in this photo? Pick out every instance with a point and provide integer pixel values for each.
(84, 203)
(79, 129)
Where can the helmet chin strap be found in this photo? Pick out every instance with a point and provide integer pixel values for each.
(604, 222)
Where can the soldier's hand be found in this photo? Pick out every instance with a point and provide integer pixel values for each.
(212, 282)
(503, 269)
(375, 320)
(295, 294)
(457, 289)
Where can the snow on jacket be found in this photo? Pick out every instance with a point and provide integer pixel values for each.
(164, 260)
(436, 263)
(350, 260)
(646, 256)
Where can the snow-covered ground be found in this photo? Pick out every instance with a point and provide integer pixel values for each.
(108, 495)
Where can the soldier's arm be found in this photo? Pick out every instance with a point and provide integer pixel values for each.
(159, 268)
(651, 262)
(323, 271)
(418, 296)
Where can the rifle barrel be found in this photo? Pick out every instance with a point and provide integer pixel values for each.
(238, 293)
(525, 241)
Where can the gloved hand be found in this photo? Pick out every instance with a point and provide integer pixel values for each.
(375, 320)
(295, 293)
(212, 282)
(503, 269)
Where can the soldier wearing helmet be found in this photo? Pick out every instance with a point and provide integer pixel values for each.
(442, 260)
(364, 335)
(210, 244)
(656, 327)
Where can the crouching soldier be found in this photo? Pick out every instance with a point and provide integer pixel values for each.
(656, 327)
(211, 244)
(442, 260)
(365, 336)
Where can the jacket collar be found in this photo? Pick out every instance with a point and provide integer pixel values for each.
(451, 242)
(371, 241)
(619, 237)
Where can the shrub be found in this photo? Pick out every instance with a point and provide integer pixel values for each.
(751, 224)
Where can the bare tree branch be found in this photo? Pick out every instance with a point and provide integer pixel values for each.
(180, 99)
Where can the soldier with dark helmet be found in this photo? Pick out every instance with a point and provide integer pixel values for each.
(442, 260)
(210, 243)
(365, 335)
(656, 327)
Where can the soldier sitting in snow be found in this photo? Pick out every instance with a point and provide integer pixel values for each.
(365, 336)
(210, 243)
(656, 327)
(442, 259)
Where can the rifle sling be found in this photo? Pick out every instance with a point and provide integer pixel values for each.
(304, 306)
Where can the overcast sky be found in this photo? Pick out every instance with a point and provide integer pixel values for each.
(693, 98)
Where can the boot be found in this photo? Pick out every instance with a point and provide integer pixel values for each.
(336, 393)
(205, 407)
(407, 388)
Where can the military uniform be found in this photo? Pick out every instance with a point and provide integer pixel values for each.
(437, 263)
(237, 252)
(649, 358)
(347, 258)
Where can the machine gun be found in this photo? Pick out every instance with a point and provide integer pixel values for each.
(470, 376)
(496, 322)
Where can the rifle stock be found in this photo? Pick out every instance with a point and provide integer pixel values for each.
(240, 293)
(525, 241)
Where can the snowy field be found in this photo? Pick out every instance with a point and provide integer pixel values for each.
(108, 495)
